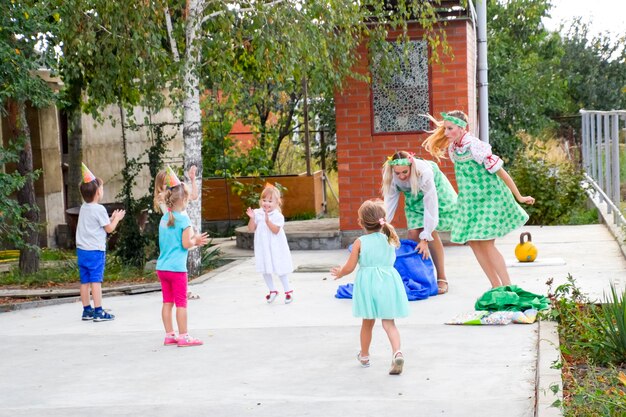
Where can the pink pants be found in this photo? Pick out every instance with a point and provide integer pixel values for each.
(174, 287)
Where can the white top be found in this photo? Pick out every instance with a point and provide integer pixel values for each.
(90, 233)
(426, 184)
(481, 152)
(271, 251)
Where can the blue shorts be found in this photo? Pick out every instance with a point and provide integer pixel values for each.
(91, 265)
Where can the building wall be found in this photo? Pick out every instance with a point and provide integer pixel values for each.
(103, 150)
(360, 154)
(102, 153)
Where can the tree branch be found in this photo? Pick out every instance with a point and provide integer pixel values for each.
(168, 24)
(249, 9)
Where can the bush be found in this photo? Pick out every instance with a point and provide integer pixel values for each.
(556, 187)
(609, 334)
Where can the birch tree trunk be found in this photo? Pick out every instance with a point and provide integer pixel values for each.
(192, 128)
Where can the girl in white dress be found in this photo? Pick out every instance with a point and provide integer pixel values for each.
(271, 251)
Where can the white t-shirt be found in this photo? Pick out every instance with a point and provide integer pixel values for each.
(90, 233)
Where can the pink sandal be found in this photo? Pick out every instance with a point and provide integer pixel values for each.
(187, 341)
(170, 340)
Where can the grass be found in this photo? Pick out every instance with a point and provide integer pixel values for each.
(63, 272)
(594, 380)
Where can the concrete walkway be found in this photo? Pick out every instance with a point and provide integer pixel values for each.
(297, 359)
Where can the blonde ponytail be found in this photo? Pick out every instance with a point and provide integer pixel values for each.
(392, 236)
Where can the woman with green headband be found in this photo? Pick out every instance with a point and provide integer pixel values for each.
(486, 207)
(429, 202)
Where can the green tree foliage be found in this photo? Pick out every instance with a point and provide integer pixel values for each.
(525, 91)
(116, 52)
(594, 69)
(13, 222)
(27, 40)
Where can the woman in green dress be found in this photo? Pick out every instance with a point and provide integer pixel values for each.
(429, 204)
(486, 207)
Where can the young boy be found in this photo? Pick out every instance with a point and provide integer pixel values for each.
(91, 233)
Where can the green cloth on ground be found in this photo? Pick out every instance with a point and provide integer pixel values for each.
(511, 298)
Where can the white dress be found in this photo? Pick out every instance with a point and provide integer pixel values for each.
(271, 251)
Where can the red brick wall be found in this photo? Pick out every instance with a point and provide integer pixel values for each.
(360, 154)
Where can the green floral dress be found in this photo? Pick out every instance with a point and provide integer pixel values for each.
(434, 205)
(486, 208)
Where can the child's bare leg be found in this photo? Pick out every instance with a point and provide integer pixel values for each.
(96, 294)
(498, 263)
(393, 334)
(84, 294)
(481, 253)
(181, 319)
(166, 315)
(366, 336)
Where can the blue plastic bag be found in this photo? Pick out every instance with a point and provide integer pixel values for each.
(418, 274)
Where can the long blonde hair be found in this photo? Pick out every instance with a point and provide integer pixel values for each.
(172, 197)
(159, 185)
(372, 218)
(414, 174)
(437, 143)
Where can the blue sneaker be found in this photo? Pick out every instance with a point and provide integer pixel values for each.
(102, 316)
(88, 314)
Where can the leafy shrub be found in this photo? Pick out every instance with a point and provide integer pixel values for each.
(210, 257)
(556, 187)
(609, 333)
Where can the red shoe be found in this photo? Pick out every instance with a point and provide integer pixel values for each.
(288, 297)
(271, 296)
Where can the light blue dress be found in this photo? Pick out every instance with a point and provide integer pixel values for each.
(378, 289)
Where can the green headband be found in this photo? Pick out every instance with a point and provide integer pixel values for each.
(455, 120)
(401, 161)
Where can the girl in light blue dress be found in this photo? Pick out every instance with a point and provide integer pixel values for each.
(378, 289)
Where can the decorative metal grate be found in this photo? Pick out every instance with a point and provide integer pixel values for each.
(400, 99)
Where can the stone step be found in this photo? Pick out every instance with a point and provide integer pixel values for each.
(316, 234)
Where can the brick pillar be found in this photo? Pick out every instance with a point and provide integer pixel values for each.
(361, 154)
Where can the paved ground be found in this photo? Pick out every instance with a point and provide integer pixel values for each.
(297, 359)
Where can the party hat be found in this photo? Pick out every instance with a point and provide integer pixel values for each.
(171, 179)
(87, 174)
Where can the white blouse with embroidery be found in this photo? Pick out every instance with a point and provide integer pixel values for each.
(480, 152)
(426, 185)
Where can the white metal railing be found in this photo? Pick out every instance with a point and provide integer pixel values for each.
(601, 156)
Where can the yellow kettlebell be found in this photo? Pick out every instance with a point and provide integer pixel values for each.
(525, 251)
